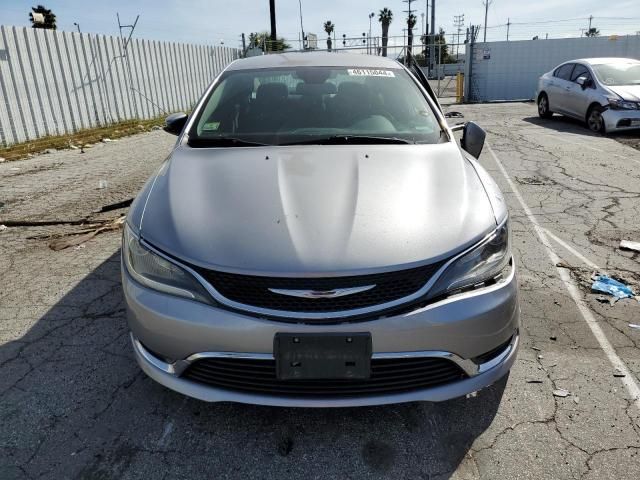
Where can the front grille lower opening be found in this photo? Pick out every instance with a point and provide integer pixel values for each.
(388, 376)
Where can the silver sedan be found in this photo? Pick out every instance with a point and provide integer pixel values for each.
(603, 92)
(318, 238)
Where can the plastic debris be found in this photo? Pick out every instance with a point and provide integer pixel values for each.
(561, 392)
(633, 325)
(102, 184)
(605, 284)
(107, 140)
(472, 395)
(576, 399)
(629, 245)
(3, 228)
(2, 159)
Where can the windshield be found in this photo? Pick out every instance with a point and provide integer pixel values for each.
(314, 105)
(615, 74)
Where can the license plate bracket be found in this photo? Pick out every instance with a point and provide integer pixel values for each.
(322, 356)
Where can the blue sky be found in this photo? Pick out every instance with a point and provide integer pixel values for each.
(213, 21)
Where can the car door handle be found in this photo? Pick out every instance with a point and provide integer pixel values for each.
(567, 88)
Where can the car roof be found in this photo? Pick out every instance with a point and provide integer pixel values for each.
(314, 59)
(605, 60)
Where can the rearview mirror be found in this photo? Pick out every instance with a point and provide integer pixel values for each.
(175, 122)
(473, 139)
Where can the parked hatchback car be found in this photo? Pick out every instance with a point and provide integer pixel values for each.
(318, 238)
(603, 92)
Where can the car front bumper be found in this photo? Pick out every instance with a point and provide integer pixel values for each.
(169, 332)
(621, 120)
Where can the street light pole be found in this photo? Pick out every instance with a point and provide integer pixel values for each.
(371, 15)
(301, 27)
(77, 26)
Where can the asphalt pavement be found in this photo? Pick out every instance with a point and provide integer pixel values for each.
(73, 403)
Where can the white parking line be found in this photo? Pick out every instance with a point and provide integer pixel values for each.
(628, 380)
(572, 250)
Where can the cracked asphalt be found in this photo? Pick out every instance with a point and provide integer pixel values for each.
(74, 405)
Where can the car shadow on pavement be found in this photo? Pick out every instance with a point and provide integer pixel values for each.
(75, 405)
(563, 124)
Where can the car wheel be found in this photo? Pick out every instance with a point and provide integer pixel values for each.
(543, 106)
(595, 122)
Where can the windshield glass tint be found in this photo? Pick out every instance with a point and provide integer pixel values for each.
(280, 106)
(618, 73)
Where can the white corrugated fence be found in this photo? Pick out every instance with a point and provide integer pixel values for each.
(55, 83)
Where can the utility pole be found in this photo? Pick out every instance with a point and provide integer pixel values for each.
(272, 14)
(508, 25)
(486, 4)
(301, 27)
(590, 19)
(432, 50)
(244, 45)
(458, 22)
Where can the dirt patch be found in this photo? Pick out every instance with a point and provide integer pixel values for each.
(79, 139)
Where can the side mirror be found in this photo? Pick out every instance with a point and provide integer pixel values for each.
(473, 139)
(582, 81)
(175, 122)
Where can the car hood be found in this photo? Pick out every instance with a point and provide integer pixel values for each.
(627, 92)
(316, 209)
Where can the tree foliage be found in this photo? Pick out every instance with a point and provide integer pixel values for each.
(442, 54)
(263, 40)
(592, 32)
(49, 18)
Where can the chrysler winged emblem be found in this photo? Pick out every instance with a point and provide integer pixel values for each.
(336, 292)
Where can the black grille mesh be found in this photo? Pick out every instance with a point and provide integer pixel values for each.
(254, 290)
(388, 376)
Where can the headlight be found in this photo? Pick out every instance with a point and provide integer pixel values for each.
(155, 272)
(619, 104)
(483, 263)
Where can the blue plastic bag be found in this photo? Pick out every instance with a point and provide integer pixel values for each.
(608, 285)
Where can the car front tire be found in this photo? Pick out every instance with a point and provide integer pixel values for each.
(544, 111)
(595, 122)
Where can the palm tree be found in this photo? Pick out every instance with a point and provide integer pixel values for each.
(49, 18)
(329, 28)
(385, 17)
(411, 23)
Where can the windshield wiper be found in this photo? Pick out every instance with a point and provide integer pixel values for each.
(223, 142)
(350, 139)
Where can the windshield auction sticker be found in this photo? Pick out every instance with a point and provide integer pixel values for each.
(369, 72)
